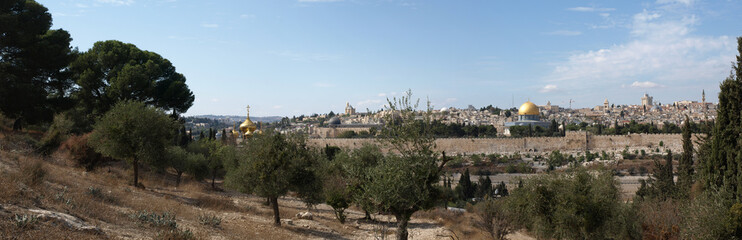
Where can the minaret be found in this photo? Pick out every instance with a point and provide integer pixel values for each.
(703, 100)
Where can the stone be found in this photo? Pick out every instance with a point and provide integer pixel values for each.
(304, 215)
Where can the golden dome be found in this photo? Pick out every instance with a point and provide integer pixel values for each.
(528, 108)
(248, 127)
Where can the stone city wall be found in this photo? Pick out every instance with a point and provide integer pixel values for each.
(574, 141)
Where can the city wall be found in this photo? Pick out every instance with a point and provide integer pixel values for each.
(573, 141)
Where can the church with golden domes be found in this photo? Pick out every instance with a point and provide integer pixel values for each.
(528, 114)
(247, 128)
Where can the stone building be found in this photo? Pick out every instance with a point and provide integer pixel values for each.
(349, 110)
(646, 100)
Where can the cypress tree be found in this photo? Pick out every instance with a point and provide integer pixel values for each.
(660, 185)
(685, 167)
(465, 184)
(721, 169)
(485, 187)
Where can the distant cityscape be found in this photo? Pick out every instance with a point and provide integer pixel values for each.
(331, 124)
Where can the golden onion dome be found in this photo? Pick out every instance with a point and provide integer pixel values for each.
(528, 108)
(248, 126)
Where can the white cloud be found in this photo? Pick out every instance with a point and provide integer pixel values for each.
(247, 16)
(277, 107)
(590, 9)
(564, 33)
(661, 49)
(382, 95)
(210, 25)
(548, 88)
(117, 2)
(646, 84)
(684, 2)
(214, 100)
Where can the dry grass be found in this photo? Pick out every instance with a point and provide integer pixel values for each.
(103, 197)
(461, 224)
(217, 204)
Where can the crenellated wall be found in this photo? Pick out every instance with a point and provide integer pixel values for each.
(573, 141)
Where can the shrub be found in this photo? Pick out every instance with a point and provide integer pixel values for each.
(166, 219)
(347, 134)
(18, 142)
(493, 218)
(209, 220)
(660, 219)
(95, 192)
(572, 205)
(61, 127)
(32, 172)
(24, 221)
(81, 153)
(483, 172)
(643, 170)
(175, 234)
(708, 216)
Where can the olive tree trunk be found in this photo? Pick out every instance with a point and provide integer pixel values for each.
(276, 216)
(402, 221)
(136, 173)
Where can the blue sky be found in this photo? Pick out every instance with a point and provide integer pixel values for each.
(293, 57)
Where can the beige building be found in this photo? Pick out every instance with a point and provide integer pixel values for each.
(349, 110)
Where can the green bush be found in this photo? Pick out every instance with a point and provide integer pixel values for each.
(572, 205)
(24, 221)
(209, 220)
(166, 219)
(347, 134)
(175, 234)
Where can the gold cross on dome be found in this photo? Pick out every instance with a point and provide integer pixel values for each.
(248, 110)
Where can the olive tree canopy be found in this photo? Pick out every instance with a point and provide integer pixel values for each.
(134, 132)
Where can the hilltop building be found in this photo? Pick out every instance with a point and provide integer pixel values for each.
(646, 100)
(349, 110)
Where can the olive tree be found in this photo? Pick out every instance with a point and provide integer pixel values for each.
(183, 161)
(354, 167)
(403, 182)
(134, 132)
(267, 166)
(214, 153)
